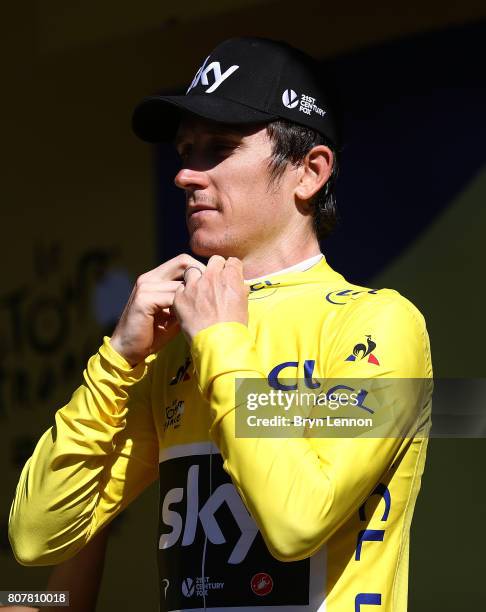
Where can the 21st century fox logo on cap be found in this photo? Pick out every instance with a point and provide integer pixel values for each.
(290, 99)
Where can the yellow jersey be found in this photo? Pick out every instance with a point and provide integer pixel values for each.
(246, 523)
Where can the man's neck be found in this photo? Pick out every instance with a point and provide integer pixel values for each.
(270, 262)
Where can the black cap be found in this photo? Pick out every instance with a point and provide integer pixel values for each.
(245, 80)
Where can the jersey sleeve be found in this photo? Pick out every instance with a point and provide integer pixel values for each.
(101, 452)
(301, 490)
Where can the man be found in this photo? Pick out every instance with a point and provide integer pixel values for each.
(295, 523)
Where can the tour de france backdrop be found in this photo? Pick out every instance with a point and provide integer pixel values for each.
(87, 208)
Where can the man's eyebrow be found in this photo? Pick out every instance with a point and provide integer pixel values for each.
(221, 132)
(227, 131)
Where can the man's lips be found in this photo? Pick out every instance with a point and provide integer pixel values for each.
(199, 210)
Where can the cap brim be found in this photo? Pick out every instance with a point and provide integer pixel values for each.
(156, 118)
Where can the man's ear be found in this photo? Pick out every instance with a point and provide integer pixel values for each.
(314, 171)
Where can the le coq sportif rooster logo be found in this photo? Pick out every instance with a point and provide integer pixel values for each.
(360, 351)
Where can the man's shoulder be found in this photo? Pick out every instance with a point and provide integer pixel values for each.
(342, 295)
(356, 301)
(383, 328)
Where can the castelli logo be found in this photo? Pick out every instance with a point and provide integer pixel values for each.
(261, 584)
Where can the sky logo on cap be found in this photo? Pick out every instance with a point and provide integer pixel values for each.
(290, 99)
(219, 77)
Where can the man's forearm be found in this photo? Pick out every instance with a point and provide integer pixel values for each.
(64, 490)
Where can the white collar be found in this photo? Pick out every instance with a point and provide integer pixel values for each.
(298, 267)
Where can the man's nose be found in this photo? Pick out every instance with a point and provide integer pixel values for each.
(187, 178)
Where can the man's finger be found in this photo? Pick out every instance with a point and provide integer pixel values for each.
(163, 286)
(234, 269)
(233, 263)
(215, 265)
(173, 269)
(191, 275)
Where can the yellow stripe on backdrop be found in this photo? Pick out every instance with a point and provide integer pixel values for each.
(442, 272)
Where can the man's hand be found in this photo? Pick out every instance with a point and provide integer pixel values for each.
(147, 322)
(215, 296)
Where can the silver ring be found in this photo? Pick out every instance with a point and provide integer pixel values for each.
(188, 268)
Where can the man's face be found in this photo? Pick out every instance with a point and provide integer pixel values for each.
(231, 207)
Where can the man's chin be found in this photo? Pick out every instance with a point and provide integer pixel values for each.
(206, 248)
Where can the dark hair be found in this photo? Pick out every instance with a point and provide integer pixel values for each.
(290, 144)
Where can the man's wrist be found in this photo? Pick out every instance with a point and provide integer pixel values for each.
(116, 346)
(117, 358)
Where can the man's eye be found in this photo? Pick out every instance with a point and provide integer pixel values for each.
(183, 155)
(223, 148)
(218, 150)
